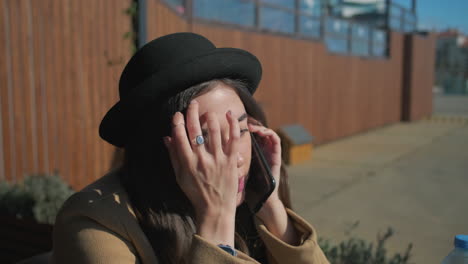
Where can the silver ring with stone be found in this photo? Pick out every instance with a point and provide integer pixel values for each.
(199, 140)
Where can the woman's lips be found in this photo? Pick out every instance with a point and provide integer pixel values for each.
(241, 185)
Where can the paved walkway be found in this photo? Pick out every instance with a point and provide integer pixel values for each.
(410, 176)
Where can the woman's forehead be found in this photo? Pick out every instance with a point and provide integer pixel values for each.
(219, 100)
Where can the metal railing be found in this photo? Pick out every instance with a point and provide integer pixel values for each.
(301, 19)
(400, 18)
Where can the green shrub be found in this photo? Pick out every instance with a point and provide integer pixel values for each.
(358, 251)
(15, 201)
(38, 197)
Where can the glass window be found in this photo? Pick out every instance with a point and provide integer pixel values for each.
(395, 23)
(360, 32)
(379, 43)
(310, 27)
(336, 27)
(336, 35)
(410, 17)
(360, 40)
(360, 48)
(403, 3)
(408, 27)
(230, 11)
(379, 50)
(284, 3)
(395, 11)
(379, 36)
(336, 45)
(276, 20)
(312, 7)
(410, 22)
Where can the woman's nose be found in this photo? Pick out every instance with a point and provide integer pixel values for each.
(240, 160)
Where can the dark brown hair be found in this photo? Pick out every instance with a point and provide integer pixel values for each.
(164, 212)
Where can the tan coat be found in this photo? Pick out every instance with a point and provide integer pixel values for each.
(97, 225)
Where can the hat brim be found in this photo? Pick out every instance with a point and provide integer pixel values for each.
(218, 63)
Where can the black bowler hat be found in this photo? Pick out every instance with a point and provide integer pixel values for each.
(167, 66)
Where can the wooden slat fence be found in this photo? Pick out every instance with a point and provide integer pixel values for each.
(59, 70)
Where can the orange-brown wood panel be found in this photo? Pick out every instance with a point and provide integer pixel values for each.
(30, 89)
(422, 76)
(22, 102)
(49, 43)
(6, 160)
(88, 108)
(67, 49)
(164, 21)
(35, 17)
(58, 88)
(76, 100)
(17, 89)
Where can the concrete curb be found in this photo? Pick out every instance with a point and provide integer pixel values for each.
(447, 119)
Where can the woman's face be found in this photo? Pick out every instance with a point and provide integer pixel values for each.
(219, 100)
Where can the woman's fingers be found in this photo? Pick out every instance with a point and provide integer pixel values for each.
(263, 131)
(271, 142)
(214, 142)
(179, 138)
(193, 126)
(234, 135)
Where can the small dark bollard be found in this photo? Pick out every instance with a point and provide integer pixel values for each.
(296, 143)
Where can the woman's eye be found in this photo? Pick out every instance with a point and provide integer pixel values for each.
(244, 130)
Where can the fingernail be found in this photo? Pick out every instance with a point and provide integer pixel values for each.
(179, 114)
(194, 101)
(229, 113)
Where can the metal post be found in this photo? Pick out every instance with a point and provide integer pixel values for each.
(297, 17)
(387, 16)
(142, 23)
(402, 19)
(189, 10)
(350, 36)
(257, 15)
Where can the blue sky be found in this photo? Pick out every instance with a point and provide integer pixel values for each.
(441, 14)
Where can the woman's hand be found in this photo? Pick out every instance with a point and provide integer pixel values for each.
(270, 143)
(273, 213)
(207, 173)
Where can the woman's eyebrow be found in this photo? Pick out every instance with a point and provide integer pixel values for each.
(242, 117)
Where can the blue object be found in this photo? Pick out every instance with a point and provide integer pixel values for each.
(461, 241)
(228, 249)
(297, 134)
(459, 255)
(200, 140)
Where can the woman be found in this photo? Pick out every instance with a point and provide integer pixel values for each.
(183, 119)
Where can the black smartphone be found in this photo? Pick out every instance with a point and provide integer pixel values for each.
(261, 182)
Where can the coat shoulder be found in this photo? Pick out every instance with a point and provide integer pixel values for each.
(103, 201)
(101, 215)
